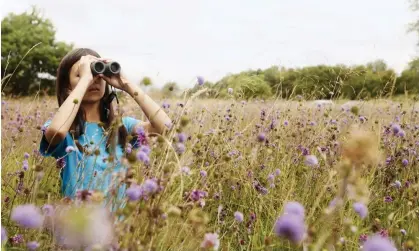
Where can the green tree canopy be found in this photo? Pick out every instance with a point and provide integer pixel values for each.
(34, 36)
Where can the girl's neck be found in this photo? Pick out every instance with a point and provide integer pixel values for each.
(92, 111)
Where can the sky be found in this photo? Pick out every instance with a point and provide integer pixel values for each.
(180, 40)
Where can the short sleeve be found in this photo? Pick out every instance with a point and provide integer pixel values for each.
(56, 151)
(130, 123)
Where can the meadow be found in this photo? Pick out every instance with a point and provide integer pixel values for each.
(229, 175)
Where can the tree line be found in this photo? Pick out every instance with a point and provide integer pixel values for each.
(30, 56)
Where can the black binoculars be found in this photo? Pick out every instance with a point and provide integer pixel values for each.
(107, 69)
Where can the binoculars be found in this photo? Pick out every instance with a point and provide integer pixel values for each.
(107, 69)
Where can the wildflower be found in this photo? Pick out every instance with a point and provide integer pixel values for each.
(311, 160)
(3, 235)
(134, 192)
(295, 208)
(376, 243)
(261, 137)
(60, 163)
(25, 165)
(405, 162)
(290, 226)
(181, 137)
(238, 216)
(403, 232)
(388, 199)
(33, 245)
(196, 195)
(230, 91)
(203, 173)
(398, 184)
(401, 134)
(360, 209)
(26, 155)
(165, 105)
(200, 80)
(180, 148)
(69, 149)
(48, 210)
(211, 241)
(395, 128)
(17, 239)
(186, 170)
(77, 228)
(150, 187)
(28, 216)
(143, 157)
(286, 122)
(363, 238)
(277, 172)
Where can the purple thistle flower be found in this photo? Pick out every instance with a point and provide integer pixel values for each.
(290, 226)
(238, 216)
(142, 156)
(271, 178)
(378, 243)
(362, 119)
(182, 137)
(405, 162)
(180, 148)
(398, 184)
(196, 195)
(401, 134)
(360, 209)
(60, 163)
(286, 122)
(128, 148)
(403, 232)
(33, 245)
(146, 149)
(395, 128)
(211, 241)
(203, 173)
(134, 192)
(26, 155)
(17, 239)
(388, 198)
(28, 216)
(48, 210)
(311, 160)
(165, 105)
(150, 187)
(200, 80)
(363, 238)
(277, 172)
(25, 165)
(261, 137)
(230, 91)
(186, 170)
(3, 235)
(295, 208)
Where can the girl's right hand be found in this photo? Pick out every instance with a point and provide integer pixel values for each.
(84, 66)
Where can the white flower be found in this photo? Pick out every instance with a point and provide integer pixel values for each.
(211, 241)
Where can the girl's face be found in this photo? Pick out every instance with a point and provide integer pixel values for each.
(95, 91)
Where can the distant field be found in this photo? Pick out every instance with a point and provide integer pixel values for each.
(247, 157)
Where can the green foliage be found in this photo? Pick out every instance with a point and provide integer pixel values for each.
(414, 26)
(20, 33)
(170, 89)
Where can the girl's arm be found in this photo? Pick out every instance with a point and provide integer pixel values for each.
(64, 117)
(155, 114)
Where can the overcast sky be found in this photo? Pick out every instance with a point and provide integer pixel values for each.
(180, 39)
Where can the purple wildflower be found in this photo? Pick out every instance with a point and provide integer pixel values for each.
(388, 198)
(182, 137)
(405, 162)
(395, 128)
(398, 184)
(230, 91)
(360, 209)
(238, 216)
(261, 137)
(180, 148)
(150, 187)
(17, 239)
(25, 165)
(196, 195)
(311, 160)
(28, 216)
(60, 163)
(48, 210)
(277, 172)
(26, 155)
(33, 245)
(134, 192)
(165, 105)
(186, 170)
(200, 80)
(376, 243)
(363, 238)
(142, 156)
(211, 241)
(3, 235)
(203, 173)
(290, 226)
(286, 122)
(403, 232)
(295, 208)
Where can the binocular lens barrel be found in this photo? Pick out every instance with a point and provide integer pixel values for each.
(109, 69)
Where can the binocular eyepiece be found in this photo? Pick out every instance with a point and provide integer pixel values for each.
(107, 69)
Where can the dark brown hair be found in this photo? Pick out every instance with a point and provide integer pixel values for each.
(63, 87)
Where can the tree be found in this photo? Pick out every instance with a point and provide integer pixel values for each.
(414, 26)
(34, 36)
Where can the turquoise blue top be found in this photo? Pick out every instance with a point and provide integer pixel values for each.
(91, 172)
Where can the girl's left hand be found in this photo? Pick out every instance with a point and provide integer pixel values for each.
(118, 81)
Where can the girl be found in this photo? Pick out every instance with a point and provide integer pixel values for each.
(82, 135)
